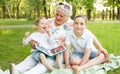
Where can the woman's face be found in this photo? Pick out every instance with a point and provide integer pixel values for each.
(60, 18)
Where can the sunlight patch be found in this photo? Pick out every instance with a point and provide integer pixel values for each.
(5, 32)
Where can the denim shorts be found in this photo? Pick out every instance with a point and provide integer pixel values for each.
(92, 54)
(36, 56)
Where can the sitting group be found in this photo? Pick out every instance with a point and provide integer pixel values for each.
(79, 42)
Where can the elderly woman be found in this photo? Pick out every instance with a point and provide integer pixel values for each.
(59, 24)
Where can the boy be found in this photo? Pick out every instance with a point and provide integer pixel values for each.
(41, 38)
(83, 49)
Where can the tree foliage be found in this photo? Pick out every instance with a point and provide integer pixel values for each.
(31, 9)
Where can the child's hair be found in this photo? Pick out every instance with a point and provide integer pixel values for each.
(37, 20)
(82, 16)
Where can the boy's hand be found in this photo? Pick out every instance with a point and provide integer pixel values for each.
(104, 51)
(47, 29)
(27, 34)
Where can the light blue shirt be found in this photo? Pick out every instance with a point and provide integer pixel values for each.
(81, 43)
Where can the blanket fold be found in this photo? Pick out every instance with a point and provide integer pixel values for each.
(97, 69)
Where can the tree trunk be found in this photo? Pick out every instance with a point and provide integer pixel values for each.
(49, 11)
(45, 9)
(3, 11)
(103, 16)
(113, 16)
(17, 12)
(13, 11)
(8, 9)
(89, 14)
(106, 14)
(18, 4)
(110, 15)
(118, 13)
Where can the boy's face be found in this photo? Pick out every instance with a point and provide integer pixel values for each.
(60, 18)
(42, 25)
(79, 24)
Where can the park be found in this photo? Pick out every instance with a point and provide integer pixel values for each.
(17, 17)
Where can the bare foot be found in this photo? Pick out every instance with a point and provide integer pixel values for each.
(76, 69)
(52, 69)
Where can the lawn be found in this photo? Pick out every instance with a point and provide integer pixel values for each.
(13, 51)
(10, 22)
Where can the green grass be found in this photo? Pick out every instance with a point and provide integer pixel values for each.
(16, 22)
(12, 50)
(11, 47)
(108, 34)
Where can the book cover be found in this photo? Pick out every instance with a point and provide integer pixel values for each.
(51, 52)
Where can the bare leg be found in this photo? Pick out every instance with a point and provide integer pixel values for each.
(45, 62)
(95, 61)
(75, 60)
(59, 60)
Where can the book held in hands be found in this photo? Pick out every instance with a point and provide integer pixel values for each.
(50, 51)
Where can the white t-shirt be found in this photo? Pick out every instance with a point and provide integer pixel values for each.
(79, 44)
(58, 33)
(41, 38)
(57, 37)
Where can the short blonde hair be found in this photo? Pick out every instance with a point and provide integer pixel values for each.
(38, 20)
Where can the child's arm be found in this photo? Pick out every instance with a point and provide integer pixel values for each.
(100, 48)
(47, 29)
(67, 52)
(66, 56)
(26, 38)
(85, 58)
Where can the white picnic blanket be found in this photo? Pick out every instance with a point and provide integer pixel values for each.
(98, 69)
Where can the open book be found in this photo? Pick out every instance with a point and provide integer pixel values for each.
(51, 52)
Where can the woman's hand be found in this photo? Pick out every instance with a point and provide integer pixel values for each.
(32, 44)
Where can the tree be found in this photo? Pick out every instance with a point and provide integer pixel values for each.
(45, 8)
(4, 4)
(76, 5)
(113, 4)
(118, 10)
(17, 7)
(88, 6)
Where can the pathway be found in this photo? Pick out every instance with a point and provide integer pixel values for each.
(16, 26)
